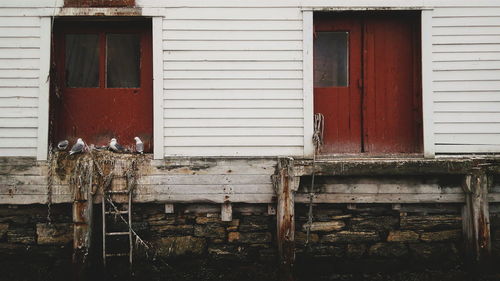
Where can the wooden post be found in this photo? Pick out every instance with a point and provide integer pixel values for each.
(285, 190)
(226, 211)
(476, 219)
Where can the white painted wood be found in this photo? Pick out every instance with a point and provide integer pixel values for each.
(169, 208)
(218, 131)
(208, 141)
(468, 128)
(231, 25)
(158, 108)
(234, 123)
(243, 94)
(226, 212)
(467, 117)
(233, 74)
(268, 150)
(43, 96)
(234, 65)
(307, 82)
(427, 94)
(189, 113)
(235, 56)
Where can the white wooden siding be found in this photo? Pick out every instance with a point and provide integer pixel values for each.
(233, 81)
(19, 81)
(466, 79)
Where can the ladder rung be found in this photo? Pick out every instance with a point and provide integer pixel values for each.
(118, 255)
(118, 233)
(115, 212)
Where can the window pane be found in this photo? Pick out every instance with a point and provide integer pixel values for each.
(331, 59)
(123, 60)
(82, 60)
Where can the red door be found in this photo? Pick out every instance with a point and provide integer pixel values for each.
(104, 83)
(378, 108)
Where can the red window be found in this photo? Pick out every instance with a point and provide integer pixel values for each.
(103, 74)
(367, 81)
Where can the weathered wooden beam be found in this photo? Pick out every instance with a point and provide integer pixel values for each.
(384, 167)
(476, 219)
(391, 198)
(285, 217)
(169, 208)
(226, 211)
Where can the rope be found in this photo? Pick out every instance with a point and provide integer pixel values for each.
(319, 125)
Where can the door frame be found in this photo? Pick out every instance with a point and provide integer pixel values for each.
(426, 66)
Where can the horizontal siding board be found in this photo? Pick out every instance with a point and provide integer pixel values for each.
(21, 152)
(18, 92)
(466, 22)
(17, 122)
(234, 56)
(467, 128)
(17, 53)
(19, 73)
(461, 149)
(20, 21)
(19, 31)
(225, 45)
(472, 30)
(467, 56)
(457, 48)
(215, 104)
(234, 113)
(242, 94)
(467, 96)
(11, 142)
(466, 117)
(18, 132)
(16, 42)
(234, 151)
(18, 82)
(466, 65)
(233, 84)
(218, 13)
(476, 75)
(232, 65)
(17, 102)
(483, 139)
(467, 86)
(213, 25)
(231, 35)
(459, 39)
(234, 141)
(241, 74)
(233, 123)
(468, 12)
(468, 106)
(17, 63)
(218, 131)
(15, 112)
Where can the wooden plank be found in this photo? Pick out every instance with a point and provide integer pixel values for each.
(234, 123)
(308, 81)
(468, 22)
(20, 21)
(203, 179)
(15, 42)
(465, 48)
(20, 31)
(470, 106)
(471, 75)
(385, 187)
(233, 74)
(476, 219)
(228, 45)
(169, 208)
(245, 113)
(234, 141)
(232, 65)
(218, 13)
(232, 84)
(209, 25)
(18, 63)
(226, 212)
(285, 218)
(18, 122)
(242, 94)
(469, 30)
(232, 104)
(461, 149)
(465, 65)
(18, 132)
(467, 86)
(18, 82)
(468, 96)
(204, 131)
(468, 128)
(467, 117)
(466, 56)
(205, 198)
(381, 198)
(231, 35)
(158, 108)
(18, 142)
(427, 89)
(483, 139)
(18, 102)
(232, 56)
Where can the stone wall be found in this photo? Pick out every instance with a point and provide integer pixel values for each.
(194, 244)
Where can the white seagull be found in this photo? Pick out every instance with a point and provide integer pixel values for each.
(77, 147)
(62, 145)
(115, 146)
(139, 145)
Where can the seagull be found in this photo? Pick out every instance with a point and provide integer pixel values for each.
(62, 145)
(115, 146)
(139, 145)
(77, 147)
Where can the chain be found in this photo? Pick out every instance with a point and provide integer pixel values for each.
(319, 125)
(50, 183)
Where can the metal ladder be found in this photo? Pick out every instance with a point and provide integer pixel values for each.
(111, 208)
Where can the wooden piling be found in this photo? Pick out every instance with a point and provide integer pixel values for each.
(476, 219)
(285, 190)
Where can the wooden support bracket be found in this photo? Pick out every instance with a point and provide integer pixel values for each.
(169, 208)
(226, 212)
(285, 216)
(476, 219)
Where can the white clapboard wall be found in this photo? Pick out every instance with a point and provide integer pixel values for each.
(466, 79)
(233, 81)
(19, 71)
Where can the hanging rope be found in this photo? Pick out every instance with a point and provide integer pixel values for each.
(319, 126)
